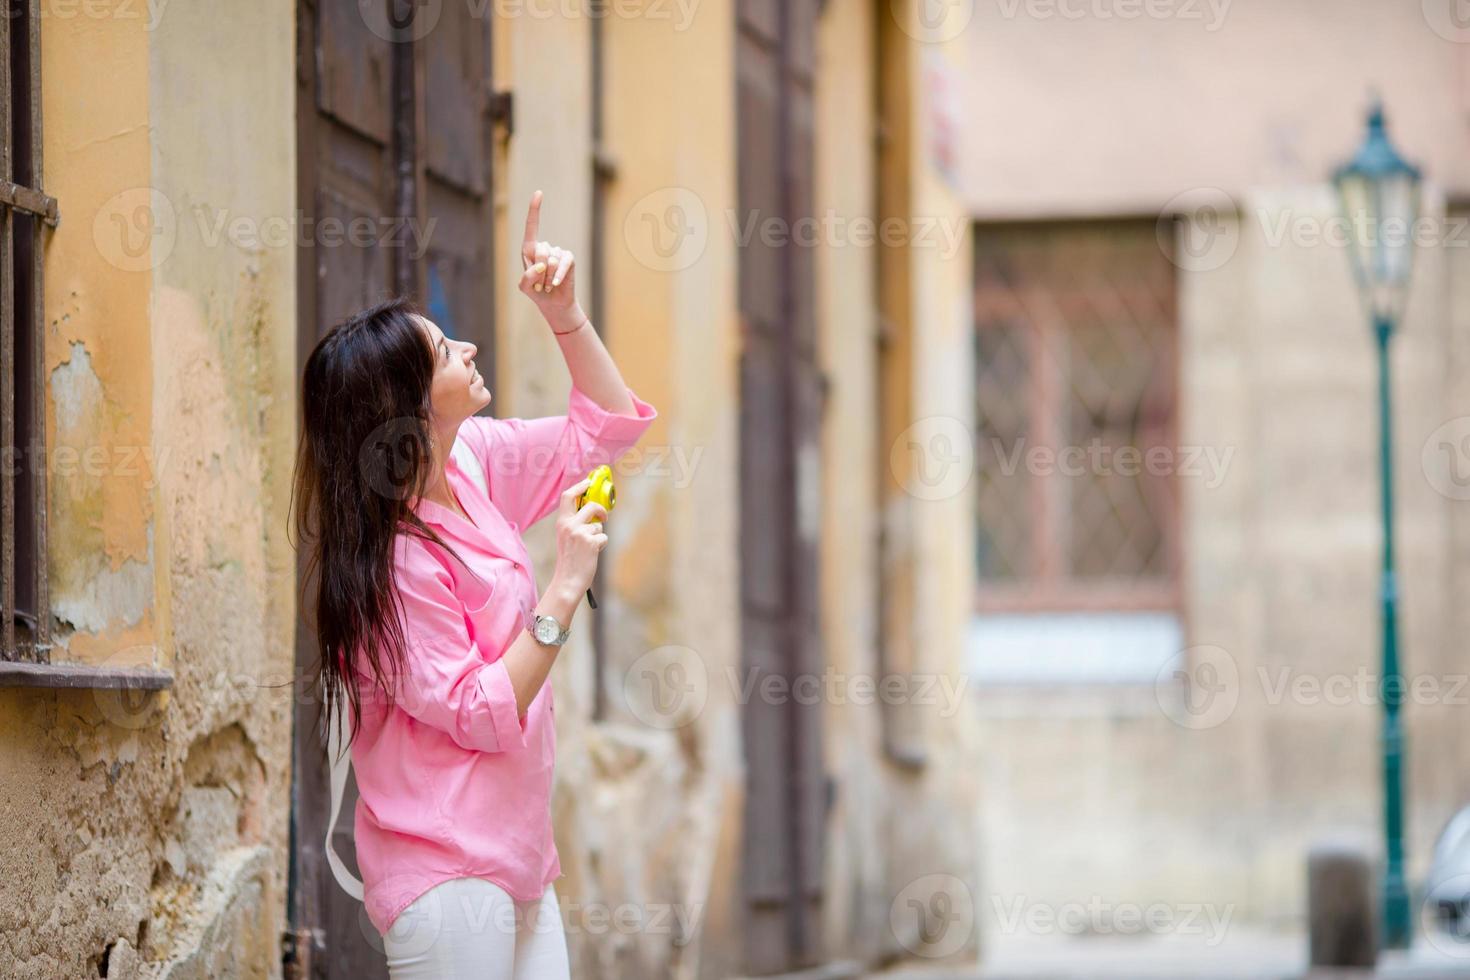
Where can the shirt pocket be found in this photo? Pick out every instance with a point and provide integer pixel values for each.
(480, 589)
(493, 609)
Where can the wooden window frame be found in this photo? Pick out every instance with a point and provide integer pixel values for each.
(1048, 589)
(25, 213)
(24, 210)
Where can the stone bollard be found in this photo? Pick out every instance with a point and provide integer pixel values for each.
(1341, 906)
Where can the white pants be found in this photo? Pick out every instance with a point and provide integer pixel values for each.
(471, 928)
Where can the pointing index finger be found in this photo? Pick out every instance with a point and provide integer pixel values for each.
(533, 224)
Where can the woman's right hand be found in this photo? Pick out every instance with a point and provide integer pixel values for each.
(579, 539)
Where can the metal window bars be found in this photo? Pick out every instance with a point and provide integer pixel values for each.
(24, 210)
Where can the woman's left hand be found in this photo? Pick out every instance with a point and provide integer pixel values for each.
(549, 275)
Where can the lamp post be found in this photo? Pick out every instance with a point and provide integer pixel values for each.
(1379, 193)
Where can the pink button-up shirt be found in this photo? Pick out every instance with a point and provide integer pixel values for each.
(452, 782)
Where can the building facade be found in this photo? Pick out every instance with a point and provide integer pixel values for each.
(1183, 698)
(763, 759)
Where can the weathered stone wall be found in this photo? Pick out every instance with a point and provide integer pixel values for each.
(147, 837)
(650, 800)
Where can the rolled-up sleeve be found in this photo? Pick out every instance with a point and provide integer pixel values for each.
(445, 681)
(529, 462)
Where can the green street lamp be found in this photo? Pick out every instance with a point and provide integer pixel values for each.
(1379, 193)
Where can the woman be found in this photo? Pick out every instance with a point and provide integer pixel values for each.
(430, 630)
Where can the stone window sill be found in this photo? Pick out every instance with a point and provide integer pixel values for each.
(84, 677)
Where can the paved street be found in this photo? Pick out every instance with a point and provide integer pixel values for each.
(1244, 955)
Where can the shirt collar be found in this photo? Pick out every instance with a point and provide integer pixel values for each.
(432, 511)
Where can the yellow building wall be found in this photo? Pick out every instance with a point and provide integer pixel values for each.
(151, 832)
(648, 809)
(170, 298)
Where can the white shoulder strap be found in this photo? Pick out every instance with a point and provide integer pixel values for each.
(465, 457)
(339, 757)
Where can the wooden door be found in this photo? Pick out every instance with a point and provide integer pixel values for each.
(780, 398)
(394, 131)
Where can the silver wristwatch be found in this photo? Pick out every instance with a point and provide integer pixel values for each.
(548, 631)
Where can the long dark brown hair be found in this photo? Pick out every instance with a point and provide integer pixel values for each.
(365, 454)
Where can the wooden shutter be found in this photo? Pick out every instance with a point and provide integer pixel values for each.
(398, 133)
(781, 396)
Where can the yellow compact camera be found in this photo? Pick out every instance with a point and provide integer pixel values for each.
(601, 491)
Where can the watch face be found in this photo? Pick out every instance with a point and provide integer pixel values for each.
(546, 631)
